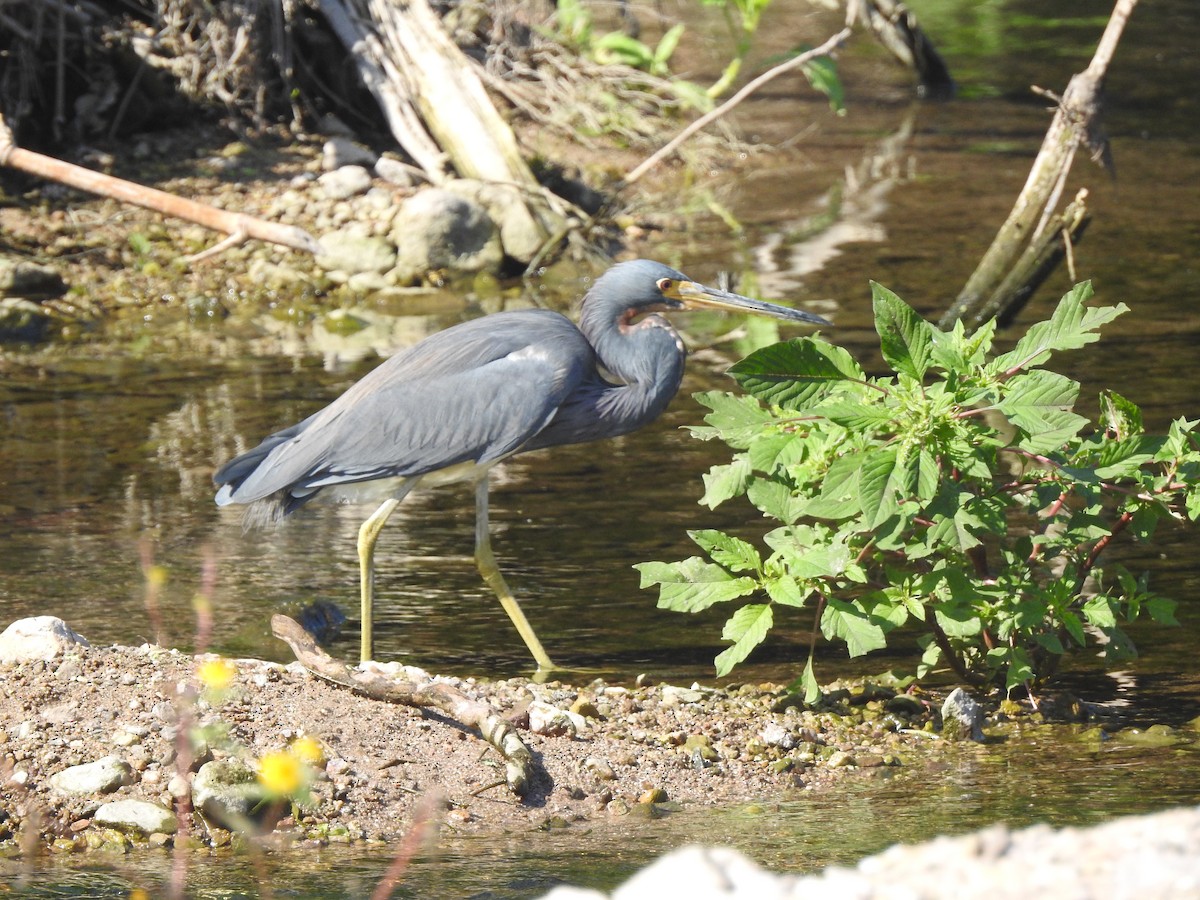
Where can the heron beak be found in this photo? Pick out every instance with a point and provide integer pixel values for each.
(693, 295)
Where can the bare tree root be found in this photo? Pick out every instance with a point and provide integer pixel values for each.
(382, 686)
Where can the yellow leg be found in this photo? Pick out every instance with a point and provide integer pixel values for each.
(368, 534)
(486, 562)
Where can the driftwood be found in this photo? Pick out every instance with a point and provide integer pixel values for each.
(238, 226)
(1015, 263)
(438, 108)
(438, 695)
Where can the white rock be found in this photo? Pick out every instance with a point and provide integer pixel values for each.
(699, 873)
(100, 777)
(136, 815)
(545, 718)
(38, 637)
(345, 182)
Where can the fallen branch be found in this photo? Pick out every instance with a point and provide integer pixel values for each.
(238, 225)
(992, 288)
(708, 118)
(439, 695)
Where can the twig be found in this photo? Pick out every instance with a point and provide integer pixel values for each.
(794, 63)
(379, 686)
(237, 224)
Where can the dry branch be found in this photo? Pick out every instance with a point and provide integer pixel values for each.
(238, 225)
(1014, 264)
(708, 118)
(438, 695)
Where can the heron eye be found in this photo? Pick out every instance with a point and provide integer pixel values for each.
(664, 284)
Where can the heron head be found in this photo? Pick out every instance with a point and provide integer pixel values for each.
(642, 286)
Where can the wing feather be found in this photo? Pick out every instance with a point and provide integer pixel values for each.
(473, 393)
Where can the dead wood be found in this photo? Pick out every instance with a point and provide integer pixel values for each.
(708, 118)
(1015, 263)
(895, 26)
(381, 685)
(237, 225)
(438, 107)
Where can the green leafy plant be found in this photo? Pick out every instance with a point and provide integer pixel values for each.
(961, 494)
(574, 24)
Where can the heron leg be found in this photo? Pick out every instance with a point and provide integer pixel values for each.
(486, 562)
(368, 534)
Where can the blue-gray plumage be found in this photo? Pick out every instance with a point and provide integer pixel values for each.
(460, 401)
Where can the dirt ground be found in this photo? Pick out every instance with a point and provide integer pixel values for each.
(630, 750)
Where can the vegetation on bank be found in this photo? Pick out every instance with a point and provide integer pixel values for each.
(960, 495)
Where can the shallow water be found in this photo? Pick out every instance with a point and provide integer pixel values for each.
(108, 452)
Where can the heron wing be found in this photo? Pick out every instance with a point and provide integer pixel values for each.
(474, 393)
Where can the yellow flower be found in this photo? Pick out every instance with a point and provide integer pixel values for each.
(281, 774)
(308, 750)
(216, 674)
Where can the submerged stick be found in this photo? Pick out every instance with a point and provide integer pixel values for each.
(439, 695)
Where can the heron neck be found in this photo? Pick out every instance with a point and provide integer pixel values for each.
(648, 360)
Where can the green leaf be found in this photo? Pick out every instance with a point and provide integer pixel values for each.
(859, 416)
(849, 623)
(794, 373)
(747, 628)
(775, 499)
(619, 48)
(1161, 610)
(822, 74)
(1100, 611)
(958, 621)
(808, 681)
(1070, 327)
(786, 591)
(1040, 403)
(730, 552)
(882, 483)
(1119, 417)
(722, 483)
(666, 49)
(693, 584)
(905, 339)
(737, 420)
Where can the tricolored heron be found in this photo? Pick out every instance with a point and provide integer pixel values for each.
(460, 401)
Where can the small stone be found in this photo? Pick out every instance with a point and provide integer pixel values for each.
(653, 795)
(437, 230)
(338, 152)
(840, 759)
(350, 252)
(393, 171)
(345, 182)
(701, 745)
(962, 717)
(546, 719)
(775, 735)
(677, 696)
(599, 768)
(226, 790)
(585, 707)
